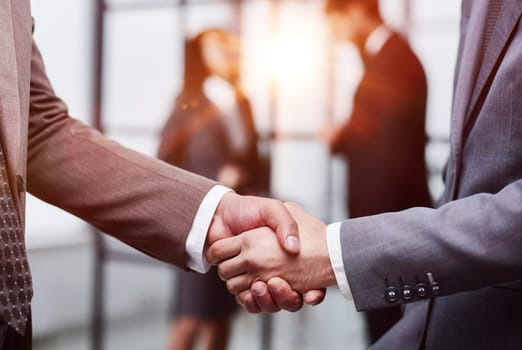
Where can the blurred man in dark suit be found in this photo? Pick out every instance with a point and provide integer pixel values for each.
(384, 138)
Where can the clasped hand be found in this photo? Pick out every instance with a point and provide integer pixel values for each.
(265, 276)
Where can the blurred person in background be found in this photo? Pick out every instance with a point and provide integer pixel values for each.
(384, 139)
(211, 132)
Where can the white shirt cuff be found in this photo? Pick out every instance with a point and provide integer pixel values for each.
(333, 240)
(195, 245)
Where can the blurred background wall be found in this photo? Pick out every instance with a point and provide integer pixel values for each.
(296, 80)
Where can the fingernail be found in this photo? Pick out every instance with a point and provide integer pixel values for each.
(292, 243)
(259, 289)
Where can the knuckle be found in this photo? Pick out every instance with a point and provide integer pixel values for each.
(217, 251)
(271, 307)
(249, 261)
(232, 287)
(293, 305)
(252, 308)
(239, 300)
(249, 302)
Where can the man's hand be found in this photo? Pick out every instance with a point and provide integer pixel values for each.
(236, 214)
(256, 255)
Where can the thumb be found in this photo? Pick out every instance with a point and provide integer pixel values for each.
(278, 218)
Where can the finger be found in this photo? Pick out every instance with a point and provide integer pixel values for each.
(238, 283)
(283, 295)
(246, 299)
(315, 297)
(263, 298)
(231, 268)
(223, 249)
(278, 218)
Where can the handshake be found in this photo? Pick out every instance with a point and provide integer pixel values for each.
(272, 255)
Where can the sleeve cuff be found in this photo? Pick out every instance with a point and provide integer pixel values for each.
(333, 240)
(195, 244)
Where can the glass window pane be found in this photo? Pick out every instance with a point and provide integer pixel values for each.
(142, 68)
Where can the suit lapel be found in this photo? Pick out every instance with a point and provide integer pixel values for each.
(472, 29)
(9, 93)
(10, 112)
(505, 25)
(464, 19)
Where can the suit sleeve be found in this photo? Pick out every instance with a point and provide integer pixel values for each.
(466, 244)
(140, 200)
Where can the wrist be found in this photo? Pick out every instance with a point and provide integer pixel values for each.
(218, 229)
(320, 269)
(326, 273)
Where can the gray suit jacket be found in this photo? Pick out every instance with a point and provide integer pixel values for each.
(142, 201)
(472, 243)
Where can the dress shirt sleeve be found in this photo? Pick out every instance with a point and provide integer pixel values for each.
(333, 240)
(195, 245)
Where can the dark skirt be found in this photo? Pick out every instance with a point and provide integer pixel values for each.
(204, 296)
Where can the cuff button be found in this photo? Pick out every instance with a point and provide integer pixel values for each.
(407, 292)
(421, 290)
(391, 294)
